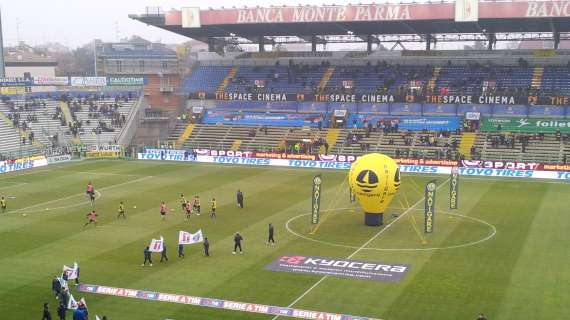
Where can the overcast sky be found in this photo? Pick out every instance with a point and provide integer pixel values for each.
(76, 22)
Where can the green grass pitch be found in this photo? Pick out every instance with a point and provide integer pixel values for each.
(507, 258)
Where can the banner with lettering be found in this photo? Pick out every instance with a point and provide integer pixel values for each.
(543, 125)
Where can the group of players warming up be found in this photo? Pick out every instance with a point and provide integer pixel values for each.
(188, 207)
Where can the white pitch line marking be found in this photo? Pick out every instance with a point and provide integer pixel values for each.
(79, 194)
(360, 248)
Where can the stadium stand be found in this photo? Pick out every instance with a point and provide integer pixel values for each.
(205, 78)
(381, 77)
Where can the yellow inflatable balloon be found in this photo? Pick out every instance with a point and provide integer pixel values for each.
(375, 179)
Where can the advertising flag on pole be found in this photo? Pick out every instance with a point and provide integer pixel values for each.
(156, 245)
(190, 238)
(429, 208)
(316, 203)
(71, 272)
(454, 188)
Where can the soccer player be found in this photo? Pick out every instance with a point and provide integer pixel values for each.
(240, 199)
(163, 253)
(183, 202)
(270, 238)
(206, 247)
(237, 243)
(3, 204)
(180, 250)
(121, 211)
(147, 257)
(92, 218)
(213, 208)
(91, 192)
(197, 204)
(188, 210)
(163, 210)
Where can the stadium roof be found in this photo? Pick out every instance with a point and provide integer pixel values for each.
(485, 18)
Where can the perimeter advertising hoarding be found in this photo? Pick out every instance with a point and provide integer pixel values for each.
(250, 118)
(429, 206)
(435, 103)
(126, 81)
(338, 267)
(316, 197)
(531, 125)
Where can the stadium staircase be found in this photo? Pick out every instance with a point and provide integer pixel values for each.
(231, 74)
(536, 81)
(467, 141)
(235, 145)
(69, 119)
(433, 81)
(331, 138)
(325, 79)
(185, 134)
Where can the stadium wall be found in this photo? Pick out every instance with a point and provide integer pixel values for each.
(185, 156)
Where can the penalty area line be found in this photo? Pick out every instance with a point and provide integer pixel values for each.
(374, 237)
(214, 303)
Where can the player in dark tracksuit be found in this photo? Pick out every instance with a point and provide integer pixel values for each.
(61, 309)
(240, 199)
(147, 257)
(180, 250)
(55, 286)
(270, 238)
(237, 243)
(163, 254)
(206, 247)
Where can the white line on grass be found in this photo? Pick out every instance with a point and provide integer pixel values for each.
(468, 244)
(79, 194)
(360, 248)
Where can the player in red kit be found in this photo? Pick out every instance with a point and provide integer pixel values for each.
(92, 218)
(90, 192)
(163, 210)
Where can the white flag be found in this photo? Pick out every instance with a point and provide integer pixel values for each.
(190, 238)
(156, 245)
(72, 304)
(97, 317)
(71, 272)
